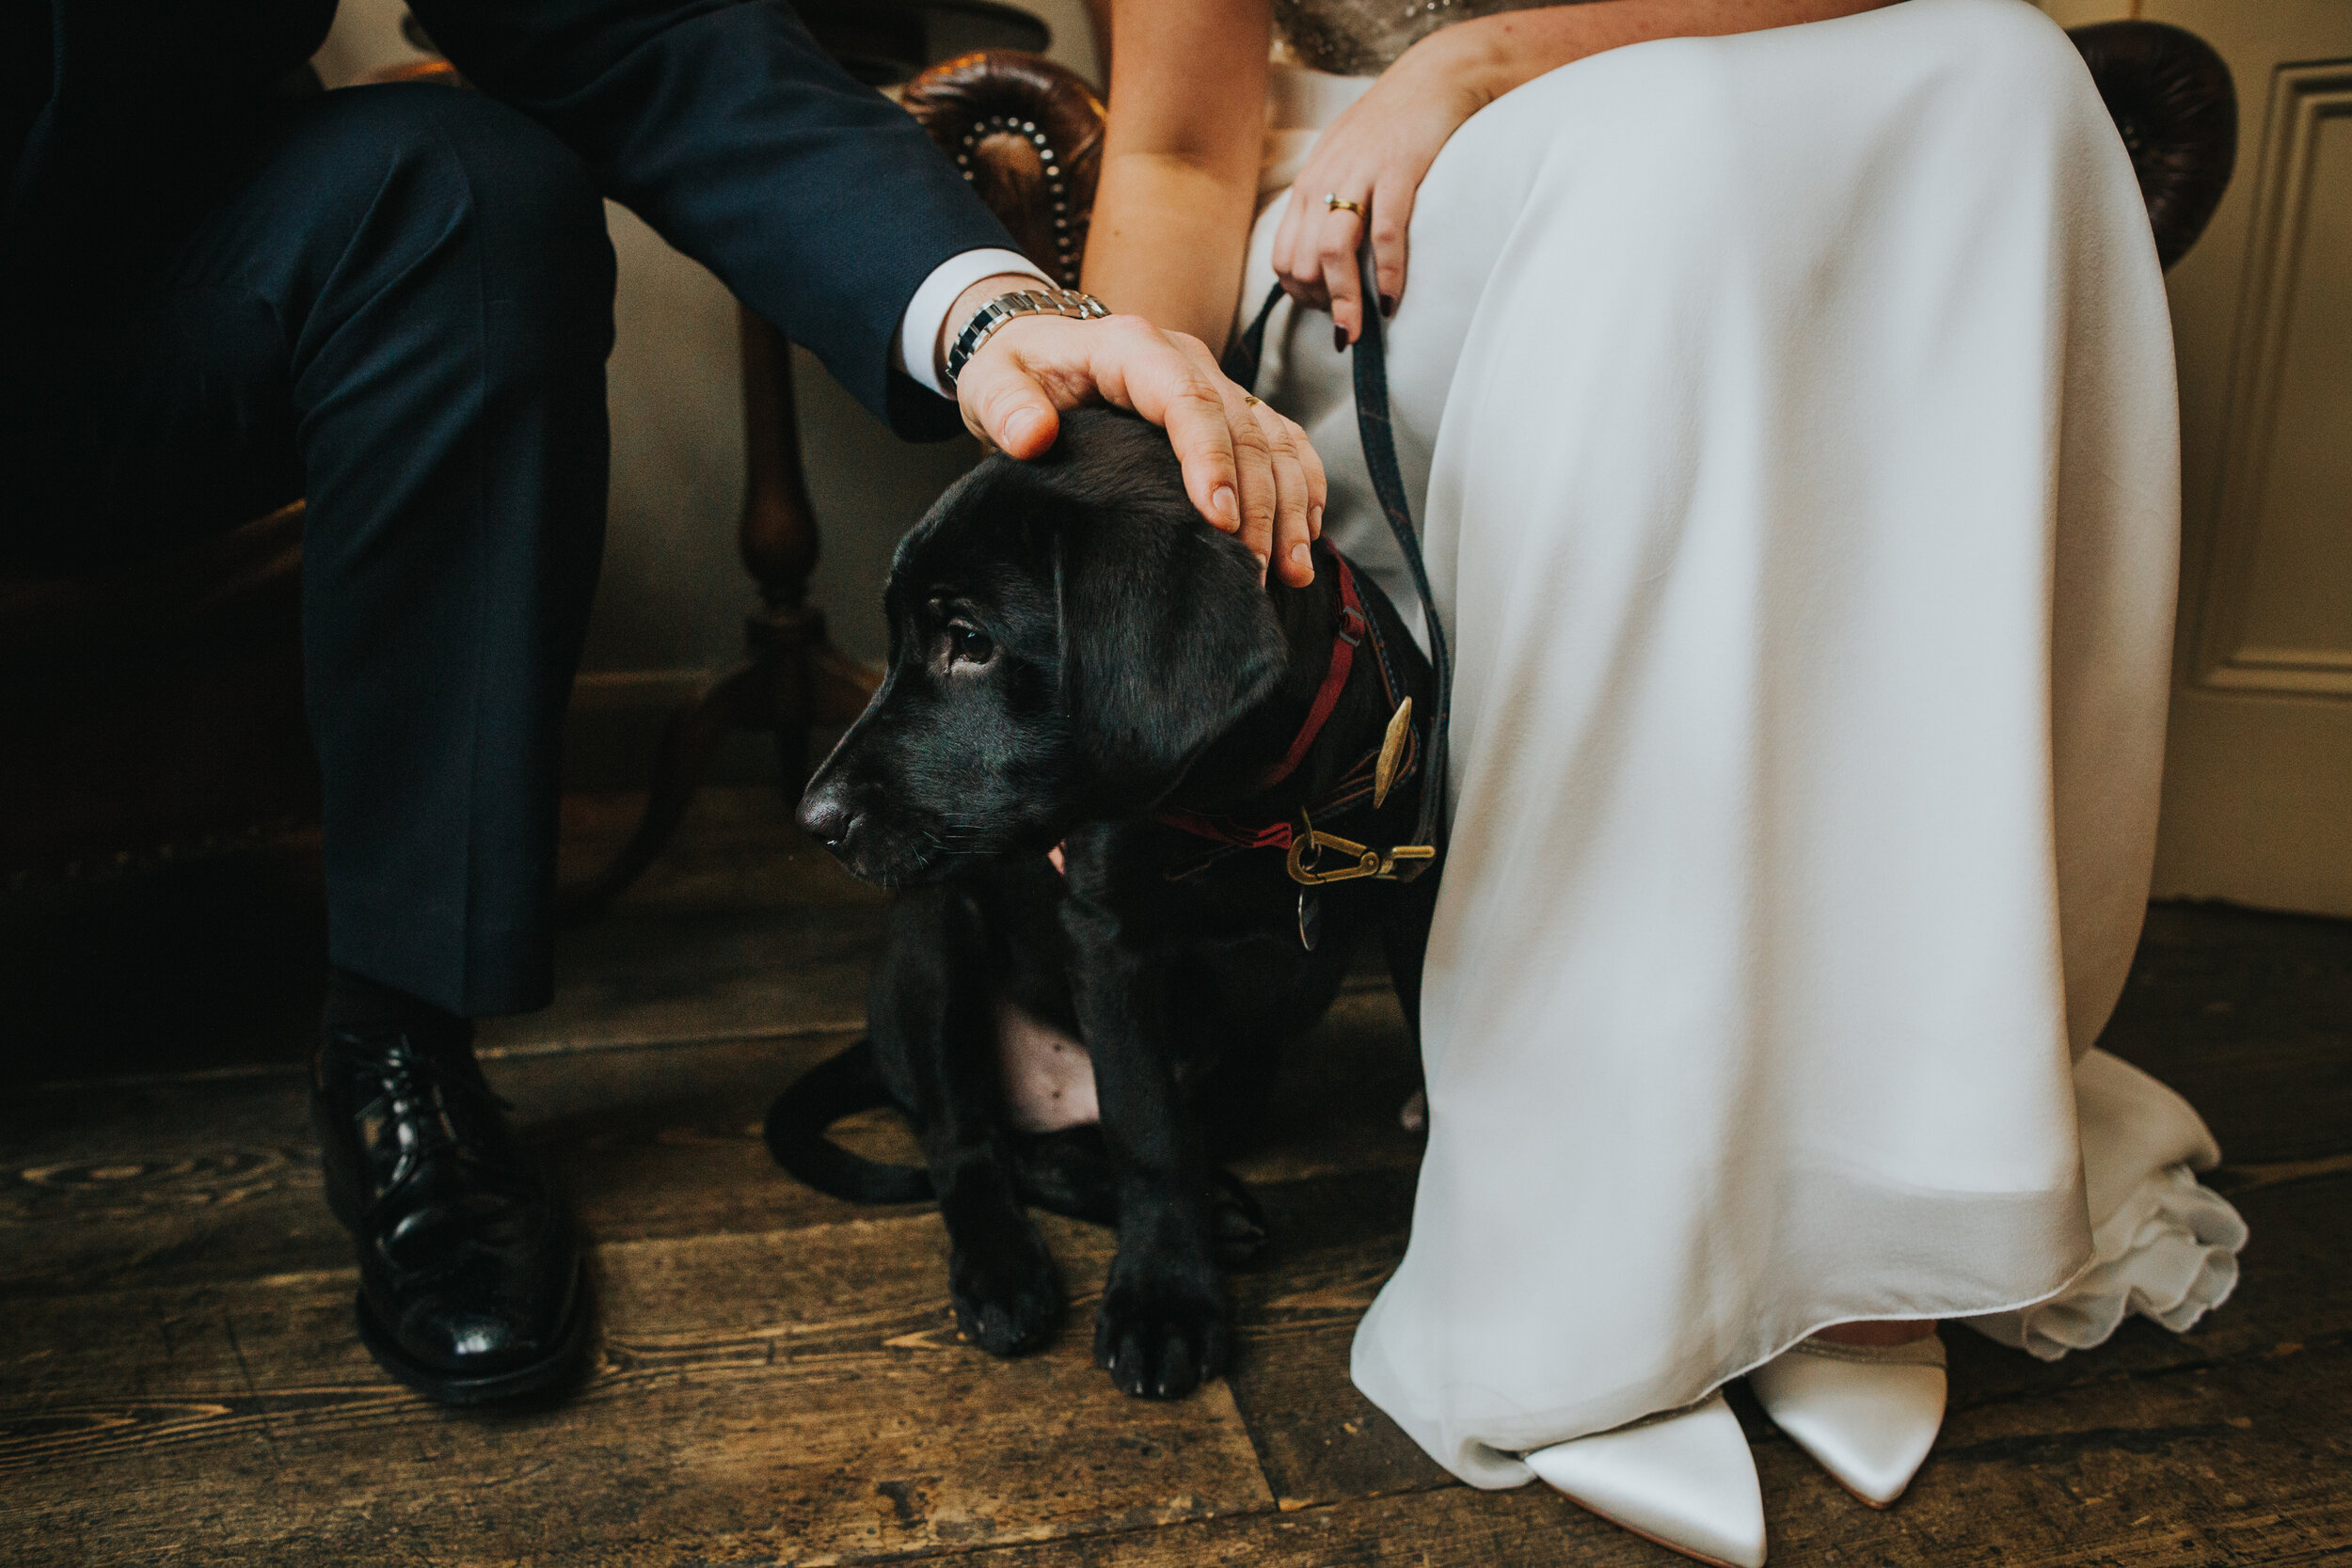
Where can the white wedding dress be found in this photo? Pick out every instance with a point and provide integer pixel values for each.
(1790, 421)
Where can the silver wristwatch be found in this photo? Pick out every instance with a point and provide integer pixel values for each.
(1044, 300)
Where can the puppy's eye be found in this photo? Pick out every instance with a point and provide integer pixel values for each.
(969, 645)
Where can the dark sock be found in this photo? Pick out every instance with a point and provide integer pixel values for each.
(373, 1011)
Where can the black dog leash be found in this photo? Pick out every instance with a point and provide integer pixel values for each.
(1376, 433)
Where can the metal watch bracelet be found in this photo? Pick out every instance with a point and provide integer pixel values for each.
(1044, 300)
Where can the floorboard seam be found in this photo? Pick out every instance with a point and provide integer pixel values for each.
(2322, 1343)
(253, 1391)
(2238, 1180)
(488, 1054)
(1257, 1448)
(666, 1041)
(1109, 1533)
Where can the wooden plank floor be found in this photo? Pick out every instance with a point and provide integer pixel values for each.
(778, 1378)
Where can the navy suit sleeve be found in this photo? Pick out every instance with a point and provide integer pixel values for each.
(723, 125)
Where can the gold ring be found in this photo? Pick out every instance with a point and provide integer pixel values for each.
(1333, 202)
(1250, 399)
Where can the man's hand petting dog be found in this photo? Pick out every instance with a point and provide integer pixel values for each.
(1248, 470)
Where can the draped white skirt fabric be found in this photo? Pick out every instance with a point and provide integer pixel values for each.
(1790, 420)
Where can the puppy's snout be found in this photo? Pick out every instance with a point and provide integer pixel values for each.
(825, 814)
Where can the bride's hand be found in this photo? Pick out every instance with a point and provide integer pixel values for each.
(1373, 155)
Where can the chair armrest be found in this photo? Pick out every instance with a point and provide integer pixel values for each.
(65, 623)
(2172, 100)
(1029, 134)
(435, 69)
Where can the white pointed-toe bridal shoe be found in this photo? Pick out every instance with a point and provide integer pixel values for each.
(1683, 1480)
(1869, 1414)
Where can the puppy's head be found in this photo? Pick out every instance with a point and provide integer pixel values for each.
(1066, 637)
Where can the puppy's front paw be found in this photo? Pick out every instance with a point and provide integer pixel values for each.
(1163, 1338)
(1007, 1296)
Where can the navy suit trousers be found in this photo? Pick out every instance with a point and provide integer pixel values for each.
(396, 301)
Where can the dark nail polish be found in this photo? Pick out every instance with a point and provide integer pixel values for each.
(1338, 339)
(1388, 306)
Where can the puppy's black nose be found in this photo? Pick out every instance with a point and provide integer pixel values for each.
(825, 816)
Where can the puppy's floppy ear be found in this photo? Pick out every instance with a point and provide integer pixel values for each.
(1167, 636)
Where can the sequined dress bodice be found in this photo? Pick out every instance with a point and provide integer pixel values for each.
(1363, 38)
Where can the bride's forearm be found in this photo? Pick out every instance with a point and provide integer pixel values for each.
(1179, 162)
(1490, 55)
(1167, 241)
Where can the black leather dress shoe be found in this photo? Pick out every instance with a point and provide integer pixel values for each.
(469, 1283)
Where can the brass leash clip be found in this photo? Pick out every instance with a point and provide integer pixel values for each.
(1307, 852)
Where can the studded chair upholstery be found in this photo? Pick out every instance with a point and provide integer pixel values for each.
(2173, 101)
(1029, 134)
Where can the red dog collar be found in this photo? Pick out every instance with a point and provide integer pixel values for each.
(1354, 626)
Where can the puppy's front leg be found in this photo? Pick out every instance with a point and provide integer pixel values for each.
(1164, 1327)
(932, 1013)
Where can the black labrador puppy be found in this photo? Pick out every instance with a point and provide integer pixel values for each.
(1106, 771)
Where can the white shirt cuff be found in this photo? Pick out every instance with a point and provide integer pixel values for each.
(927, 312)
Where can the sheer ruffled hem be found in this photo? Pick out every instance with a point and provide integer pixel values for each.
(2170, 1253)
(2166, 1246)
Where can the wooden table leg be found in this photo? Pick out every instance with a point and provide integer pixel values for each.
(795, 678)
